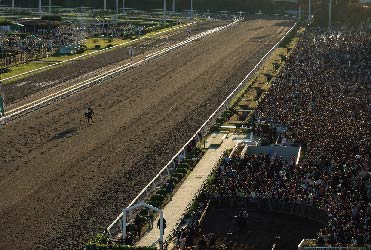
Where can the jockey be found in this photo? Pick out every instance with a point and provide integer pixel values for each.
(89, 114)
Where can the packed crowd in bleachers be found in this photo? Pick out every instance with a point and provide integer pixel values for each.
(36, 43)
(323, 96)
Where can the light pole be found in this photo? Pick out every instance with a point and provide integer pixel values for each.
(50, 6)
(191, 9)
(123, 7)
(329, 13)
(117, 6)
(13, 4)
(105, 5)
(2, 105)
(173, 6)
(309, 9)
(164, 11)
(39, 5)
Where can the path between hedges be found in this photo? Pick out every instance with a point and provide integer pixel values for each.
(174, 210)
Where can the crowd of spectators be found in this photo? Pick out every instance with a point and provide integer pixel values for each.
(323, 96)
(39, 39)
(43, 37)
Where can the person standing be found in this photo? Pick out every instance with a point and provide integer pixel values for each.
(150, 219)
(163, 225)
(137, 224)
(131, 53)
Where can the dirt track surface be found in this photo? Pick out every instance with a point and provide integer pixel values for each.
(62, 180)
(21, 90)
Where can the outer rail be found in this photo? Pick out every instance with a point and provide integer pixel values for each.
(201, 131)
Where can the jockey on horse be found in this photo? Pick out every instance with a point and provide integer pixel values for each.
(89, 114)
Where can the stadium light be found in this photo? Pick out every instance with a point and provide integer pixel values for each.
(191, 9)
(329, 13)
(2, 102)
(164, 12)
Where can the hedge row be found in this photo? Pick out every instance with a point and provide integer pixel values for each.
(100, 242)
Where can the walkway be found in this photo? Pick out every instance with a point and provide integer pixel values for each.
(174, 210)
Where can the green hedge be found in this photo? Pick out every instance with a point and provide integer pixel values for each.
(182, 170)
(162, 191)
(101, 243)
(120, 247)
(179, 176)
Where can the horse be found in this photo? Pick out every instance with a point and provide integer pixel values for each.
(89, 114)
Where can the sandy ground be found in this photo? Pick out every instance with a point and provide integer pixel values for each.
(62, 180)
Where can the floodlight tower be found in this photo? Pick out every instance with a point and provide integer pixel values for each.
(117, 6)
(164, 12)
(123, 7)
(39, 5)
(191, 9)
(329, 13)
(173, 6)
(13, 4)
(309, 9)
(105, 5)
(50, 6)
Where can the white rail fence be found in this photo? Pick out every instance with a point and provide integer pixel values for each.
(32, 106)
(115, 227)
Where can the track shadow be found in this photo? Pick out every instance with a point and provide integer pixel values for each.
(63, 134)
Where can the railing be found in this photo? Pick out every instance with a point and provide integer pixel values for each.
(202, 131)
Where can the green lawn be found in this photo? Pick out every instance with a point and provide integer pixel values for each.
(16, 70)
(103, 42)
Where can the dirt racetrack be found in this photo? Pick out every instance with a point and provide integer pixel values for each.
(20, 90)
(62, 180)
